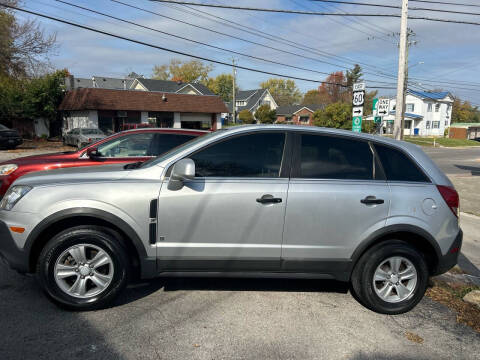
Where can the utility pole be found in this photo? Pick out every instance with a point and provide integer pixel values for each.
(402, 68)
(234, 103)
(405, 89)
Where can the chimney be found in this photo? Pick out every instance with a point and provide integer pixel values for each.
(124, 84)
(94, 82)
(69, 83)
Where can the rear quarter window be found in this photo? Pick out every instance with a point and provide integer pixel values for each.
(398, 166)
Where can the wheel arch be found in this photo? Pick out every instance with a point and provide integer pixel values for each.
(62, 220)
(413, 235)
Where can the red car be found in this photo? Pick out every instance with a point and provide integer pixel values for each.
(125, 147)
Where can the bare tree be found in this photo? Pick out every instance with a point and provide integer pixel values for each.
(24, 46)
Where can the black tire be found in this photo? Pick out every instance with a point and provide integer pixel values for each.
(363, 275)
(104, 238)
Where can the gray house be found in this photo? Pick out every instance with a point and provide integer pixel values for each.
(251, 100)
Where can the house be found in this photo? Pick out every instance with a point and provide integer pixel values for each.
(251, 100)
(297, 114)
(426, 113)
(109, 109)
(98, 82)
(464, 131)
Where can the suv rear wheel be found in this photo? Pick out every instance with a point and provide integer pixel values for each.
(391, 277)
(84, 267)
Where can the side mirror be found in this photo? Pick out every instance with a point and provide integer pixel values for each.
(183, 170)
(93, 153)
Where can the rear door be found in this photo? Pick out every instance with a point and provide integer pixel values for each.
(336, 197)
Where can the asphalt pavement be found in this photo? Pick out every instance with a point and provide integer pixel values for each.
(456, 161)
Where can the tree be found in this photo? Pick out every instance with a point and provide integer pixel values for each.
(367, 106)
(285, 92)
(353, 76)
(178, 70)
(464, 112)
(334, 88)
(314, 97)
(265, 115)
(222, 86)
(246, 117)
(337, 115)
(24, 46)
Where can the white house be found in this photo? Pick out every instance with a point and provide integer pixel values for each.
(251, 100)
(426, 113)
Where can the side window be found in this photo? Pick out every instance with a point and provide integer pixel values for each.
(328, 157)
(253, 155)
(398, 167)
(163, 142)
(132, 145)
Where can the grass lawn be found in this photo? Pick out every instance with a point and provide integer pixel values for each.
(447, 142)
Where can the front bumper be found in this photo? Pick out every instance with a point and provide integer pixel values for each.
(450, 259)
(16, 258)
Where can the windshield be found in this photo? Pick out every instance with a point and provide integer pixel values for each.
(3, 127)
(177, 150)
(92, 132)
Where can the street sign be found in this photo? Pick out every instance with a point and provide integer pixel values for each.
(377, 119)
(375, 107)
(357, 111)
(359, 87)
(358, 98)
(383, 107)
(357, 124)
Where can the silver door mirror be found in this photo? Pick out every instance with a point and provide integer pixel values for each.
(182, 171)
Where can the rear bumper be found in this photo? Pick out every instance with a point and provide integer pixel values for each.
(16, 258)
(450, 259)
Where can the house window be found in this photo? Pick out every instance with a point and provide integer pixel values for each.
(304, 119)
(266, 102)
(427, 125)
(407, 124)
(446, 123)
(437, 107)
(410, 108)
(288, 119)
(435, 124)
(429, 108)
(241, 103)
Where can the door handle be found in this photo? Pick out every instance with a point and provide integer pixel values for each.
(269, 199)
(371, 200)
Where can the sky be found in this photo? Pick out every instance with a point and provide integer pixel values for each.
(445, 56)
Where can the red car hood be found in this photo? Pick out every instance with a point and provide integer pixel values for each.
(44, 158)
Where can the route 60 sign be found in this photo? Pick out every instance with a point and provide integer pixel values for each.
(358, 98)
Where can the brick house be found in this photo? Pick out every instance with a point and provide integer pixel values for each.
(109, 109)
(297, 114)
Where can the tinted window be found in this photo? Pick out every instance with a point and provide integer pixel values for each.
(397, 166)
(132, 145)
(254, 155)
(164, 142)
(328, 157)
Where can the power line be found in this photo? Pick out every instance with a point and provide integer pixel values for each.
(191, 40)
(317, 13)
(444, 3)
(164, 48)
(396, 7)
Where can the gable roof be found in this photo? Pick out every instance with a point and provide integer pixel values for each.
(250, 96)
(429, 95)
(292, 109)
(102, 82)
(103, 99)
(169, 86)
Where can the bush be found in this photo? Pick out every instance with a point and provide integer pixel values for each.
(246, 117)
(265, 115)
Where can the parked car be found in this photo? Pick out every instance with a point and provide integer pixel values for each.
(125, 147)
(255, 201)
(131, 126)
(9, 138)
(81, 137)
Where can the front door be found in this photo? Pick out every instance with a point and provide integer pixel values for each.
(230, 217)
(337, 196)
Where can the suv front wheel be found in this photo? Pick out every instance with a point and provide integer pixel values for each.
(391, 277)
(83, 268)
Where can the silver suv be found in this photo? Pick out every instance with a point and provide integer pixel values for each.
(254, 201)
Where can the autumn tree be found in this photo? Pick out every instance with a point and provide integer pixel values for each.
(314, 97)
(285, 92)
(334, 88)
(464, 112)
(222, 86)
(246, 117)
(185, 71)
(24, 46)
(265, 115)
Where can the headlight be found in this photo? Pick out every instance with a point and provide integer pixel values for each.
(12, 196)
(8, 169)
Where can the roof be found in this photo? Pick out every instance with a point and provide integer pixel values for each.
(172, 86)
(410, 115)
(102, 82)
(292, 109)
(103, 99)
(429, 95)
(464, 125)
(250, 96)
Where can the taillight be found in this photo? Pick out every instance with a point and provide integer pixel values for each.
(450, 196)
(90, 140)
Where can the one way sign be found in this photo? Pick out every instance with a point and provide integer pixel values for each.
(383, 107)
(357, 111)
